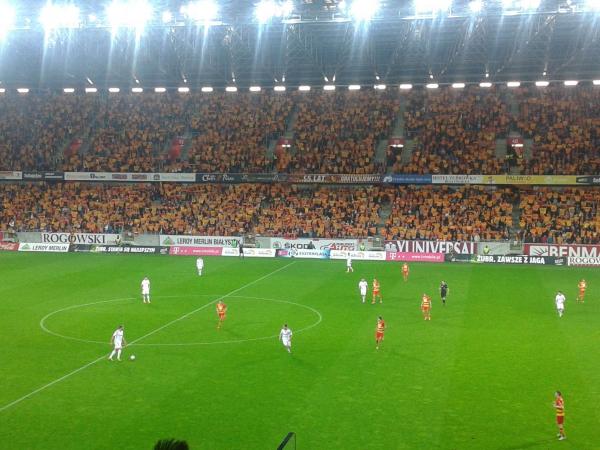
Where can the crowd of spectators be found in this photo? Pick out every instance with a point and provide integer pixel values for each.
(568, 216)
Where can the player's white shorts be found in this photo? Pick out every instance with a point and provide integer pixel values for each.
(286, 342)
(145, 291)
(118, 345)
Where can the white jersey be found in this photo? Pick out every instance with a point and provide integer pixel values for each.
(348, 262)
(145, 286)
(363, 286)
(285, 335)
(118, 338)
(560, 301)
(199, 263)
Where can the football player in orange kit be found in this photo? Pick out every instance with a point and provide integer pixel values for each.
(376, 291)
(379, 332)
(405, 271)
(582, 285)
(221, 311)
(559, 405)
(426, 307)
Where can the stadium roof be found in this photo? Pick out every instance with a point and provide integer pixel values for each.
(317, 41)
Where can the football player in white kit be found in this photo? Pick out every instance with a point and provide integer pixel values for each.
(349, 265)
(363, 287)
(199, 265)
(560, 303)
(285, 336)
(118, 341)
(146, 290)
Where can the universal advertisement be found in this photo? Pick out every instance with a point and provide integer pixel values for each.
(195, 251)
(55, 248)
(414, 257)
(562, 250)
(462, 248)
(584, 261)
(358, 255)
(79, 238)
(299, 253)
(315, 244)
(200, 241)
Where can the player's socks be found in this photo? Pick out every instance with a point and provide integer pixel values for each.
(111, 355)
(119, 355)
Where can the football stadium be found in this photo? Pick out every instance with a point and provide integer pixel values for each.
(300, 224)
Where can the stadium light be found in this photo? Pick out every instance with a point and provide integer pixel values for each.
(354, 87)
(458, 85)
(432, 6)
(204, 11)
(485, 84)
(137, 90)
(279, 88)
(91, 90)
(329, 87)
(206, 89)
(530, 5)
(68, 90)
(380, 87)
(160, 90)
(364, 10)
(304, 88)
(59, 16)
(513, 84)
(22, 90)
(571, 83)
(231, 89)
(596, 82)
(185, 89)
(7, 18)
(269, 9)
(114, 90)
(542, 83)
(593, 5)
(406, 86)
(132, 14)
(2, 90)
(254, 89)
(475, 6)
(432, 85)
(166, 17)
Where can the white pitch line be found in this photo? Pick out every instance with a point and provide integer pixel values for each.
(91, 363)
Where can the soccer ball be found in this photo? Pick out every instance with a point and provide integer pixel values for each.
(132, 358)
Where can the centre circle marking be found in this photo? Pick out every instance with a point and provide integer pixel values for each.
(184, 344)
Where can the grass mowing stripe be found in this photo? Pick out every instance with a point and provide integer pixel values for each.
(64, 377)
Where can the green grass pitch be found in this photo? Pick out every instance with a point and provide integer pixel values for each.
(480, 375)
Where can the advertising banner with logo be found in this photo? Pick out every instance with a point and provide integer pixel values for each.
(358, 255)
(463, 248)
(407, 179)
(314, 244)
(414, 257)
(296, 253)
(79, 238)
(195, 251)
(125, 249)
(588, 180)
(130, 177)
(43, 176)
(200, 241)
(9, 246)
(580, 261)
(562, 250)
(259, 252)
(515, 259)
(457, 179)
(35, 247)
(547, 180)
(10, 175)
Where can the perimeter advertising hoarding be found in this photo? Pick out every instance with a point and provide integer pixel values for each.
(414, 257)
(126, 249)
(195, 251)
(259, 252)
(315, 244)
(200, 241)
(358, 255)
(562, 250)
(507, 259)
(79, 238)
(403, 246)
(300, 253)
(37, 247)
(9, 246)
(584, 261)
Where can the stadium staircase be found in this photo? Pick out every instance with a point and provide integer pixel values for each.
(397, 131)
(384, 212)
(290, 124)
(516, 215)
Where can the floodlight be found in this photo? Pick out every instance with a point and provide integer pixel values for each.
(160, 90)
(206, 89)
(279, 88)
(485, 84)
(354, 87)
(458, 85)
(364, 10)
(593, 5)
(475, 6)
(131, 14)
(530, 5)
(432, 6)
(329, 87)
(68, 90)
(185, 89)
(513, 84)
(254, 89)
(59, 16)
(571, 83)
(265, 10)
(7, 17)
(596, 82)
(114, 90)
(201, 11)
(304, 88)
(166, 16)
(23, 90)
(542, 83)
(432, 85)
(137, 90)
(230, 89)
(2, 90)
(91, 90)
(380, 87)
(286, 9)
(406, 86)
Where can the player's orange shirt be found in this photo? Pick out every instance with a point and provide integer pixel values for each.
(559, 404)
(375, 286)
(426, 301)
(221, 308)
(380, 326)
(405, 268)
(582, 285)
